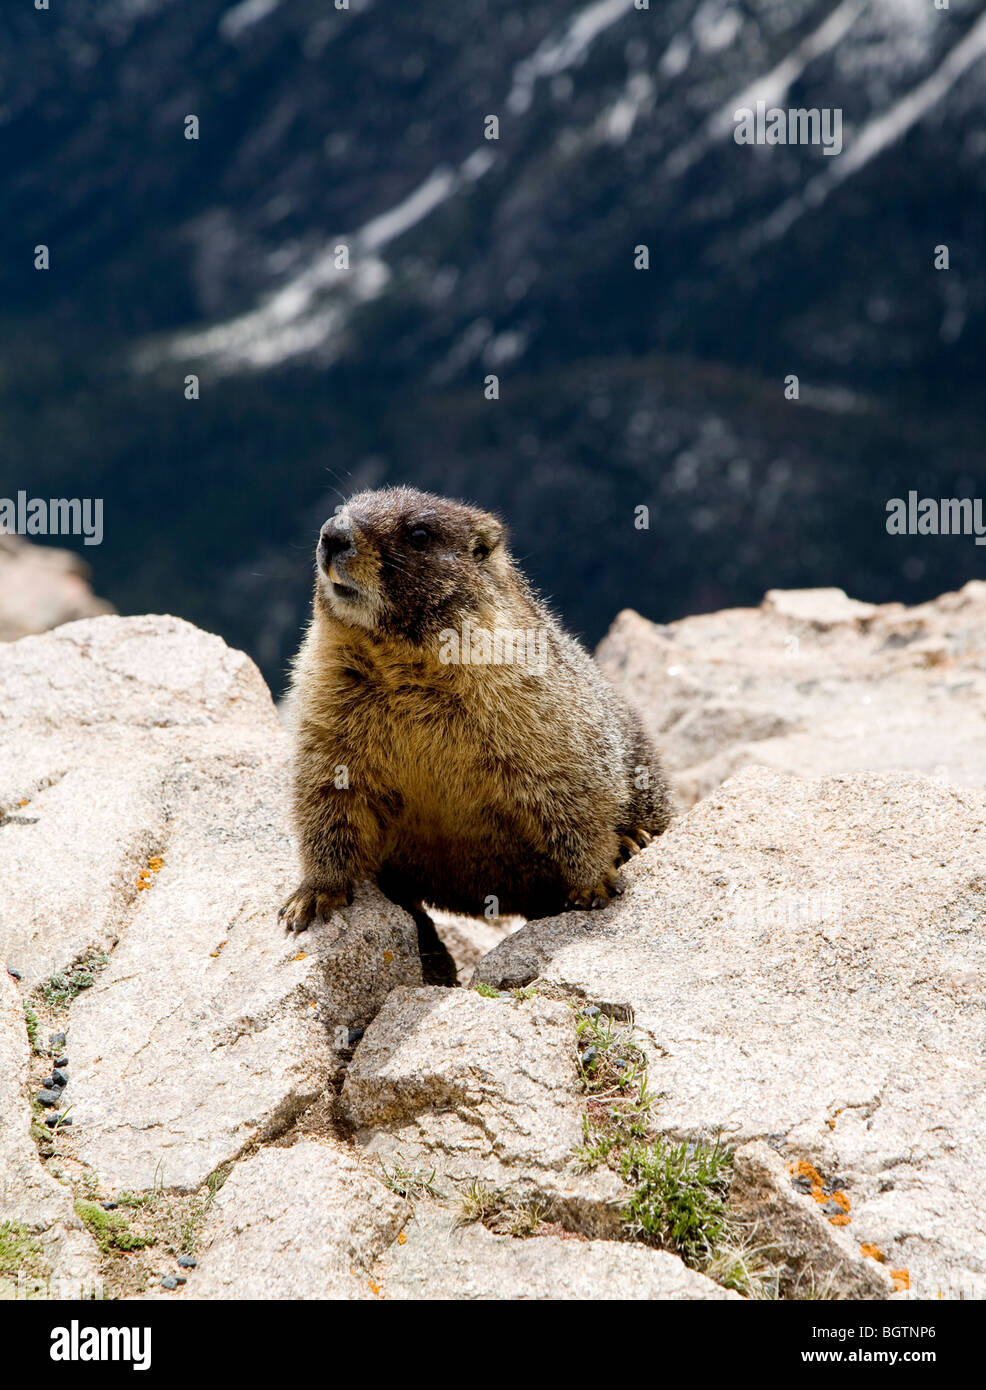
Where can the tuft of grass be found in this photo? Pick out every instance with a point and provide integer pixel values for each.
(190, 1228)
(478, 1202)
(523, 1220)
(747, 1268)
(613, 1074)
(679, 1195)
(599, 1144)
(528, 992)
(410, 1182)
(110, 1229)
(677, 1192)
(499, 1213)
(610, 1061)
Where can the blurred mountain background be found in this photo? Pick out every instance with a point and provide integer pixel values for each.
(619, 387)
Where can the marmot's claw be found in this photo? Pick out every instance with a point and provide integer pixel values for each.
(308, 905)
(628, 848)
(598, 895)
(643, 837)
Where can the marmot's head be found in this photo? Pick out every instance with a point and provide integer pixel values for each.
(407, 563)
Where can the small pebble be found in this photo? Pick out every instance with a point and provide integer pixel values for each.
(169, 1282)
(61, 1061)
(60, 1078)
(589, 1056)
(49, 1097)
(109, 1206)
(354, 1036)
(187, 1262)
(591, 1011)
(60, 1120)
(180, 1279)
(833, 1209)
(14, 974)
(56, 1041)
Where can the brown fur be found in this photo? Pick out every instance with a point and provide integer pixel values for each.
(502, 788)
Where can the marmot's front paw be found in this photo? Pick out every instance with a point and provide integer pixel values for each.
(598, 895)
(309, 904)
(632, 844)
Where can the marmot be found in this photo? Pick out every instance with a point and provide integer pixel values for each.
(430, 757)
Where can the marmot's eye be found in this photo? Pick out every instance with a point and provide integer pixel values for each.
(480, 550)
(419, 537)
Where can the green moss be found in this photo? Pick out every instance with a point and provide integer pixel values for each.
(32, 1025)
(60, 989)
(217, 1177)
(21, 1253)
(487, 991)
(135, 1199)
(111, 1229)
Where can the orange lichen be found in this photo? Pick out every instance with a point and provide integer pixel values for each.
(402, 1238)
(801, 1168)
(901, 1278)
(144, 877)
(25, 802)
(302, 955)
(217, 950)
(873, 1252)
(388, 956)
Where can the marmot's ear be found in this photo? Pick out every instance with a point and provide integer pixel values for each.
(486, 536)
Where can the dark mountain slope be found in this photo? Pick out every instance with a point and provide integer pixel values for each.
(617, 387)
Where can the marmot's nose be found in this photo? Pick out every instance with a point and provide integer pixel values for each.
(336, 536)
